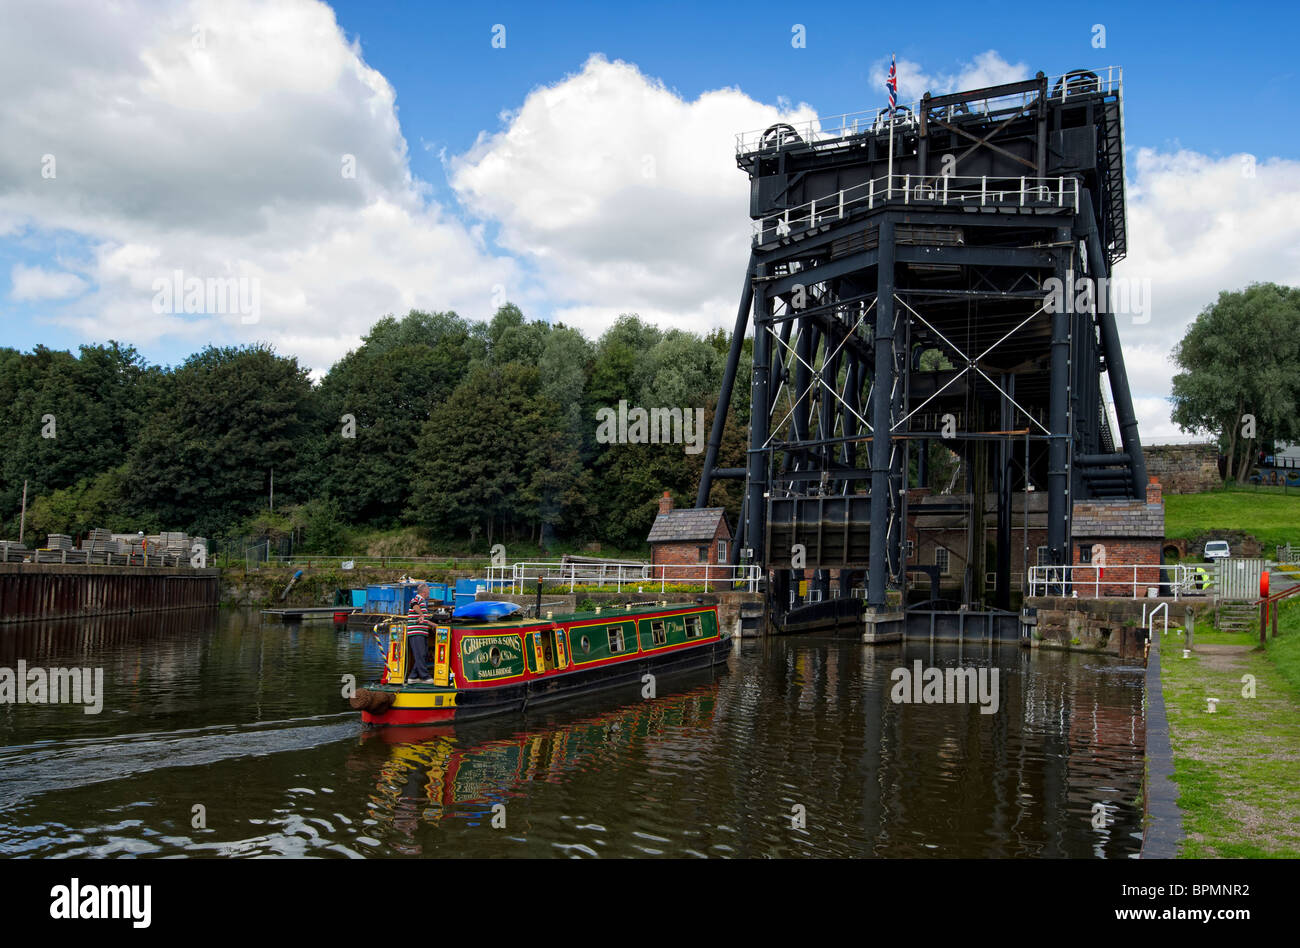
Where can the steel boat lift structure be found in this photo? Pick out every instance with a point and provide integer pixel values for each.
(861, 263)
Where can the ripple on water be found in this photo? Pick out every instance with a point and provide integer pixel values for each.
(712, 767)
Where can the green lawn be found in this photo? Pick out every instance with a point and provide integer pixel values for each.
(1273, 518)
(1238, 769)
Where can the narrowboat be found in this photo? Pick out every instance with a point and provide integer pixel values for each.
(486, 658)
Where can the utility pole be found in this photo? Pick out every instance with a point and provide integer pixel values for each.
(272, 489)
(22, 520)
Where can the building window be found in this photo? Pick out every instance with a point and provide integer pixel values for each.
(694, 627)
(911, 549)
(722, 551)
(659, 633)
(1085, 552)
(615, 638)
(941, 560)
(704, 554)
(1043, 557)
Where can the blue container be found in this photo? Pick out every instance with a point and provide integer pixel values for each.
(358, 597)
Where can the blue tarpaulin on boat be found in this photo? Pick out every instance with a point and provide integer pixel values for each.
(486, 610)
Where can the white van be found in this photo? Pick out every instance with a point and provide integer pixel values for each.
(1217, 549)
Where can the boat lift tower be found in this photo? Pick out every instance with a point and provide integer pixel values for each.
(890, 311)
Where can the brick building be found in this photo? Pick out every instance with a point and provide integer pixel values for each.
(683, 542)
(1131, 532)
(1121, 532)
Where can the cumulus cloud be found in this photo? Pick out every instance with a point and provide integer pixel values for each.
(1198, 225)
(625, 197)
(245, 140)
(224, 140)
(622, 196)
(37, 283)
(914, 80)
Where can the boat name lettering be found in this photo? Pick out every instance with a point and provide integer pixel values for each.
(471, 644)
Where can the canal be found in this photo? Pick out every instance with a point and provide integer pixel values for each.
(221, 735)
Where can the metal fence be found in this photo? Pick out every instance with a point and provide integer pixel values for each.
(520, 578)
(1238, 578)
(1124, 581)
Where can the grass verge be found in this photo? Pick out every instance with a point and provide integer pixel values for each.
(1273, 518)
(1238, 769)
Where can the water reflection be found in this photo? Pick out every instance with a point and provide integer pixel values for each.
(796, 748)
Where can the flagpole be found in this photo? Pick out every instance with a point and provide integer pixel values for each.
(889, 183)
(889, 179)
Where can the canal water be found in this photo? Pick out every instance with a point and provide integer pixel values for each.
(221, 735)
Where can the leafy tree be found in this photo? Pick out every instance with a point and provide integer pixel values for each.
(494, 458)
(230, 417)
(91, 502)
(1240, 360)
(65, 419)
(388, 386)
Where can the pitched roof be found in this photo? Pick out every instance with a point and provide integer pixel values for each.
(1118, 518)
(686, 524)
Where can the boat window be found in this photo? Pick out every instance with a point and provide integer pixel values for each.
(694, 627)
(495, 657)
(615, 638)
(659, 633)
(586, 644)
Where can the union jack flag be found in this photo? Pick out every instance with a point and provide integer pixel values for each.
(892, 84)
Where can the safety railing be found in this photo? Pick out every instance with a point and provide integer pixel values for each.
(930, 191)
(828, 128)
(521, 578)
(1120, 581)
(379, 562)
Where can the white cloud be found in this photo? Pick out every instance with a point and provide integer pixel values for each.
(565, 179)
(37, 283)
(986, 69)
(623, 196)
(211, 137)
(1197, 226)
(611, 192)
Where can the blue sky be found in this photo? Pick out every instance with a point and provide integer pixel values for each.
(451, 84)
(223, 160)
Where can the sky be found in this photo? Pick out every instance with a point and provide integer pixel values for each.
(313, 167)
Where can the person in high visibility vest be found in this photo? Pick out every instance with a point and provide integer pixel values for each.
(417, 635)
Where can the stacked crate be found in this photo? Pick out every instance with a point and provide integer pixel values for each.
(98, 544)
(13, 552)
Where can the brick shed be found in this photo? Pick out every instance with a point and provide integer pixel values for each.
(1129, 531)
(688, 539)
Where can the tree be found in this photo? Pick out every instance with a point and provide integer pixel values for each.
(1240, 377)
(496, 456)
(388, 386)
(65, 419)
(229, 418)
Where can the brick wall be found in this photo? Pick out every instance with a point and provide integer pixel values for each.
(681, 560)
(1184, 468)
(1120, 552)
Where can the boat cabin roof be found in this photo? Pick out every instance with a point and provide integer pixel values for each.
(613, 614)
